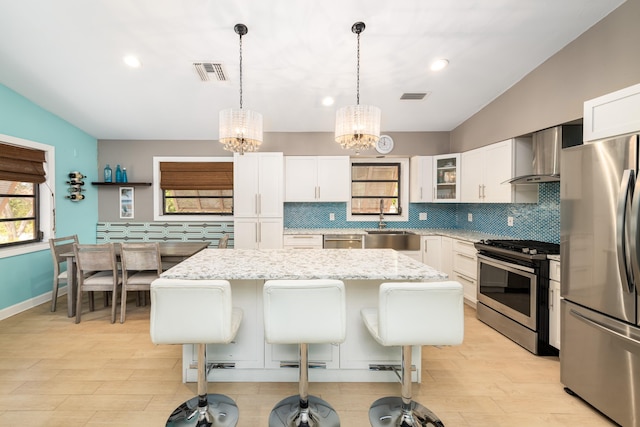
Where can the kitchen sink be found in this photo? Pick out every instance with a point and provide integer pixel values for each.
(389, 232)
(392, 239)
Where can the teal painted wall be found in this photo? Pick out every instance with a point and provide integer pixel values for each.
(23, 277)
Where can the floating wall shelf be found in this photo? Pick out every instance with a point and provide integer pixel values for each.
(122, 184)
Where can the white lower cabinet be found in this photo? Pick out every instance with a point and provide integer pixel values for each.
(465, 268)
(446, 256)
(554, 303)
(303, 241)
(430, 247)
(258, 233)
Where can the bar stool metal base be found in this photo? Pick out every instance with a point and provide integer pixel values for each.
(387, 411)
(222, 411)
(287, 413)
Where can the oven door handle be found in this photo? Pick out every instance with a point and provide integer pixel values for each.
(624, 196)
(500, 263)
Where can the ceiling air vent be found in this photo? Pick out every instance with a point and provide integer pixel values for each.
(210, 71)
(415, 96)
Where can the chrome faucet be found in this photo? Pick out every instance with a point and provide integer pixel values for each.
(382, 224)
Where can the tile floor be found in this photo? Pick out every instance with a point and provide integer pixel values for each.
(56, 373)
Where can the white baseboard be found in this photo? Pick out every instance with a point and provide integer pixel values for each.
(30, 303)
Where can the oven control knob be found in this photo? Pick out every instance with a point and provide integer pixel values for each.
(525, 250)
(533, 251)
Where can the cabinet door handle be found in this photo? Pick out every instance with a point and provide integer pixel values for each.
(479, 191)
(318, 192)
(551, 299)
(483, 188)
(468, 279)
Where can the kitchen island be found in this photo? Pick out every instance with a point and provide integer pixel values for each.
(249, 358)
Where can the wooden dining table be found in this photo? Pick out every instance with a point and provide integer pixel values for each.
(170, 253)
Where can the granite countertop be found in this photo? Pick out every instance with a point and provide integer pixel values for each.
(343, 264)
(469, 235)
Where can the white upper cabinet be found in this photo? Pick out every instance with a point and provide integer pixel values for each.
(258, 185)
(446, 176)
(317, 178)
(485, 169)
(613, 114)
(421, 179)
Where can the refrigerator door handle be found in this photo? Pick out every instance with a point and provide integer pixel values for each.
(626, 188)
(635, 237)
(627, 340)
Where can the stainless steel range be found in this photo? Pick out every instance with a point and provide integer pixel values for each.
(513, 290)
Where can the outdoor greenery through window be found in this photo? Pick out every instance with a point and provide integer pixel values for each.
(372, 183)
(197, 188)
(19, 222)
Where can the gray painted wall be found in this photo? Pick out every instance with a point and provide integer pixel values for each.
(603, 59)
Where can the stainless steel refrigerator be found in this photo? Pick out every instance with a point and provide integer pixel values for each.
(599, 245)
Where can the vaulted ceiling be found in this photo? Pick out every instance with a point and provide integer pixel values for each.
(66, 56)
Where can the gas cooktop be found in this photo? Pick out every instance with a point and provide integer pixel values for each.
(528, 248)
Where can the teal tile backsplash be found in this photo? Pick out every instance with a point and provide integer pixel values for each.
(539, 221)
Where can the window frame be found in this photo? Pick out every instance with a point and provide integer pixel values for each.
(46, 204)
(158, 198)
(403, 190)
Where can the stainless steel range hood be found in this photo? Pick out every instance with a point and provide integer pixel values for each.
(547, 145)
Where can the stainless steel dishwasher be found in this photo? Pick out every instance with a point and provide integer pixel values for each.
(342, 241)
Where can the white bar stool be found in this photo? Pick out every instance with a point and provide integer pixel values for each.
(304, 312)
(411, 314)
(196, 312)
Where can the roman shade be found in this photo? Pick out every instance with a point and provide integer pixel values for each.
(196, 175)
(21, 164)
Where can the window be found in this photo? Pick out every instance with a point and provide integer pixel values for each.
(19, 219)
(197, 188)
(375, 188)
(193, 188)
(26, 216)
(376, 182)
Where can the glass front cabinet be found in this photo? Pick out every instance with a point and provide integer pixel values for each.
(446, 169)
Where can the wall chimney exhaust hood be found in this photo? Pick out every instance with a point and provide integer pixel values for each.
(547, 145)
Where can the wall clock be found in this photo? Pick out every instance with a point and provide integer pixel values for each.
(384, 144)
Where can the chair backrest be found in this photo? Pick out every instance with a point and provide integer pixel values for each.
(141, 256)
(59, 246)
(95, 257)
(191, 311)
(304, 311)
(421, 313)
(223, 242)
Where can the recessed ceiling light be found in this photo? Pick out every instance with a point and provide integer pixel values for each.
(327, 101)
(132, 61)
(439, 64)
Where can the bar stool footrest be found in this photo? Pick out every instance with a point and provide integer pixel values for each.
(387, 412)
(287, 413)
(222, 411)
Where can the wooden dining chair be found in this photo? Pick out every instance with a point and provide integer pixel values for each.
(97, 271)
(223, 242)
(59, 246)
(141, 265)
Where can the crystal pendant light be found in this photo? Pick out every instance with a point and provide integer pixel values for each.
(358, 126)
(240, 130)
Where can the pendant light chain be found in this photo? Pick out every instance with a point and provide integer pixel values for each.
(241, 71)
(358, 74)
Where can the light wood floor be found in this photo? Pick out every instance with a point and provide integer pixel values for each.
(56, 373)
